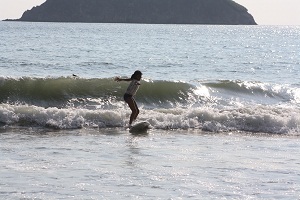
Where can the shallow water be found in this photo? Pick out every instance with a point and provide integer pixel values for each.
(223, 101)
(111, 163)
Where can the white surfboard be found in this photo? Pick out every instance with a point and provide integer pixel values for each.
(140, 127)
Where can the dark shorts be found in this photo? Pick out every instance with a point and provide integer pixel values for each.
(127, 96)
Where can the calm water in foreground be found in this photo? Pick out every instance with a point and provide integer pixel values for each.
(111, 163)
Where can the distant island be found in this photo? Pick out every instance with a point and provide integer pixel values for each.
(222, 12)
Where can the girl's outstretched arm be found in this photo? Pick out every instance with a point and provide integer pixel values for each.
(122, 79)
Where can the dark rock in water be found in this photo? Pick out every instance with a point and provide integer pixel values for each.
(141, 11)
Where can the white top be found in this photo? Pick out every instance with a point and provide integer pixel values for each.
(133, 87)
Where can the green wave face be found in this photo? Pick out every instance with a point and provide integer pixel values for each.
(58, 92)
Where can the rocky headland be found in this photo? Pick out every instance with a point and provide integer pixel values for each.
(225, 12)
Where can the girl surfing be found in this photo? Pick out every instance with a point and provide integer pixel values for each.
(130, 93)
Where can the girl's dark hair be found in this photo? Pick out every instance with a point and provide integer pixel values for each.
(136, 73)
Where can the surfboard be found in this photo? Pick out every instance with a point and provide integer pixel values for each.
(140, 127)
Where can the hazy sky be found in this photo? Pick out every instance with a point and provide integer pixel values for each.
(265, 12)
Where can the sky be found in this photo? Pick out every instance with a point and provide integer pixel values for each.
(265, 12)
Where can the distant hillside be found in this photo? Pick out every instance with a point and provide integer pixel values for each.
(141, 11)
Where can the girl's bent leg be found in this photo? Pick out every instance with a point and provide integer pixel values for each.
(135, 111)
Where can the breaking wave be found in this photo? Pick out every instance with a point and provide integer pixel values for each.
(214, 106)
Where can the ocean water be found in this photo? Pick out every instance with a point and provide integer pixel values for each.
(223, 103)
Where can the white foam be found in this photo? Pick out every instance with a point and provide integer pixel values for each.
(59, 118)
(252, 118)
